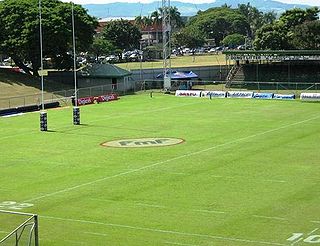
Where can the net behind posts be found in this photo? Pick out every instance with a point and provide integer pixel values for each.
(18, 229)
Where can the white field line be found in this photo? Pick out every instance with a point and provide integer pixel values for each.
(168, 160)
(315, 221)
(149, 205)
(74, 242)
(175, 173)
(275, 181)
(164, 231)
(267, 217)
(102, 200)
(96, 234)
(209, 211)
(103, 118)
(182, 244)
(239, 177)
(313, 231)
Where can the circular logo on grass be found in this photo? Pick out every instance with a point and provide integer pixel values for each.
(143, 142)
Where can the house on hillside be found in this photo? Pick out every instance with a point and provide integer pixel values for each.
(151, 34)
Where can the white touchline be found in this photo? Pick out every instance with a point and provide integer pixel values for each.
(163, 231)
(166, 161)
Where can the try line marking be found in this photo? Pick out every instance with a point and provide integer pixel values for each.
(164, 231)
(167, 161)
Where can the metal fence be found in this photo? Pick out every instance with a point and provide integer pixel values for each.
(63, 96)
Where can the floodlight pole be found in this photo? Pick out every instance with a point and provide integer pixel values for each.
(43, 114)
(76, 109)
(166, 39)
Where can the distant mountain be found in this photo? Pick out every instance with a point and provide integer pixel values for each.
(121, 9)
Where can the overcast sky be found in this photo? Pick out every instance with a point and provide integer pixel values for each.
(311, 2)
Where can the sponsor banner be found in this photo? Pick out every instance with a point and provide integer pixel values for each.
(107, 98)
(310, 96)
(284, 96)
(239, 94)
(85, 100)
(188, 93)
(213, 94)
(259, 95)
(142, 142)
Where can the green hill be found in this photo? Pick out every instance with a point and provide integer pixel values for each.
(24, 89)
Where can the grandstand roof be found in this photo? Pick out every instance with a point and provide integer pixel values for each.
(273, 55)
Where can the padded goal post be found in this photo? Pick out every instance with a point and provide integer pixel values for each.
(21, 228)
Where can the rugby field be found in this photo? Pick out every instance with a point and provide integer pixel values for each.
(242, 172)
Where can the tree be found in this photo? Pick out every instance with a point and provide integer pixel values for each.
(20, 37)
(271, 37)
(233, 40)
(144, 24)
(296, 16)
(290, 31)
(188, 37)
(307, 36)
(217, 23)
(122, 34)
(101, 46)
(175, 17)
(156, 21)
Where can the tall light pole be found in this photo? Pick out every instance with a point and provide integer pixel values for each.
(76, 109)
(43, 114)
(166, 36)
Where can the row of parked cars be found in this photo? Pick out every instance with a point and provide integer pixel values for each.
(202, 50)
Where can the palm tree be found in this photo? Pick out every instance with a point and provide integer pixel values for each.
(139, 21)
(175, 17)
(156, 21)
(147, 23)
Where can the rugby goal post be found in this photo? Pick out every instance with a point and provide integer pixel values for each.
(25, 233)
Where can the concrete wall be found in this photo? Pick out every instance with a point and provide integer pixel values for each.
(210, 73)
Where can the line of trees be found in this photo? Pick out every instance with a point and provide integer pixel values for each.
(294, 29)
(19, 30)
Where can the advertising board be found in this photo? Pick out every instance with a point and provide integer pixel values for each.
(239, 94)
(188, 93)
(284, 96)
(213, 94)
(259, 95)
(310, 96)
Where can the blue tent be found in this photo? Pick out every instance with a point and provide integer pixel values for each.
(183, 75)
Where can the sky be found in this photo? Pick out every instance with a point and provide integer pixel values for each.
(311, 2)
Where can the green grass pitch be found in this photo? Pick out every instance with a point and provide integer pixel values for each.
(246, 174)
